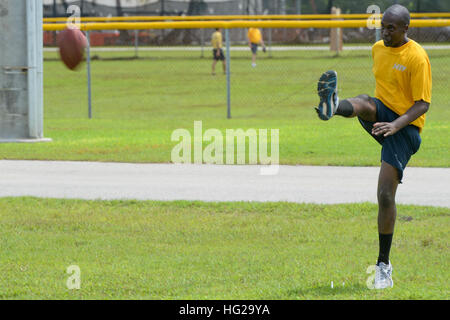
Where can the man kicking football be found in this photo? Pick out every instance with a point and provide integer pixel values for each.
(394, 117)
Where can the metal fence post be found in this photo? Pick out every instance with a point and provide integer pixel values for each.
(227, 41)
(202, 41)
(136, 43)
(88, 62)
(270, 42)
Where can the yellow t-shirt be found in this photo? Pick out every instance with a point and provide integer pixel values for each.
(216, 40)
(403, 76)
(254, 35)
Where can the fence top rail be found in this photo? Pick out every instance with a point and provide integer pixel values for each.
(244, 17)
(238, 24)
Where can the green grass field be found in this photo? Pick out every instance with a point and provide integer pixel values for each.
(138, 103)
(195, 250)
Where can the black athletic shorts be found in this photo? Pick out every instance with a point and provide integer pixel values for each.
(254, 48)
(221, 56)
(398, 148)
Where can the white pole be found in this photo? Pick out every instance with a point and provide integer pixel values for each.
(40, 70)
(228, 59)
(31, 66)
(34, 53)
(88, 63)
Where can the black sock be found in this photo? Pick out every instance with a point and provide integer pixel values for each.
(385, 247)
(345, 108)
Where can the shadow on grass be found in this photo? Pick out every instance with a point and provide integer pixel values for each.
(350, 291)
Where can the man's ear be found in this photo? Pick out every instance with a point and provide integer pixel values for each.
(406, 28)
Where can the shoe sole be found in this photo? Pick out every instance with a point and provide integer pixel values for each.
(387, 287)
(322, 90)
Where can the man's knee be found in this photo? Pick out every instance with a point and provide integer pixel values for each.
(365, 97)
(367, 102)
(365, 107)
(386, 197)
(362, 103)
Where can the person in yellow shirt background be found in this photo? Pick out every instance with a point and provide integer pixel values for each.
(254, 40)
(395, 117)
(217, 43)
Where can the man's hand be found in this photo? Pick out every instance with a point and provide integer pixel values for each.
(389, 128)
(384, 128)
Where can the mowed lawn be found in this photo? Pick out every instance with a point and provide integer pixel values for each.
(137, 104)
(195, 250)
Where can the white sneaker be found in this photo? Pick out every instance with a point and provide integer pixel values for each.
(383, 276)
(253, 65)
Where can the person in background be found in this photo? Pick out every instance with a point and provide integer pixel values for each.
(254, 40)
(216, 41)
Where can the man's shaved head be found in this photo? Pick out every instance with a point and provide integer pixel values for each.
(394, 26)
(399, 13)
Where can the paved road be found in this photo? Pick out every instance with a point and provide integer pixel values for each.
(425, 186)
(311, 184)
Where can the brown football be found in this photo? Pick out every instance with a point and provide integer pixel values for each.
(71, 43)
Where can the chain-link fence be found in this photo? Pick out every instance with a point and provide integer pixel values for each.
(284, 76)
(177, 64)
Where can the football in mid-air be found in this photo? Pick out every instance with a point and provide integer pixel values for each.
(71, 43)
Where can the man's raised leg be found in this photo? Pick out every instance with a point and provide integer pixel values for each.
(362, 106)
